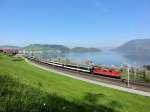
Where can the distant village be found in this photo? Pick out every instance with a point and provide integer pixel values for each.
(9, 51)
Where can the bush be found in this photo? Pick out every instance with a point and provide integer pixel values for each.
(17, 59)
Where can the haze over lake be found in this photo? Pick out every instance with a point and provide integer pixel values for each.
(106, 57)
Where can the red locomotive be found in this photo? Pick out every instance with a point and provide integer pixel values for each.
(105, 72)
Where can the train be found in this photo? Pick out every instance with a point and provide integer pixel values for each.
(95, 70)
(106, 72)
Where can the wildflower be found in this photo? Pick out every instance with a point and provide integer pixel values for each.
(63, 107)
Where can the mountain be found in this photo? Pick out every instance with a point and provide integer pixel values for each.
(35, 47)
(10, 46)
(135, 46)
(83, 49)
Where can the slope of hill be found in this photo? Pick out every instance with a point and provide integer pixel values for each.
(135, 46)
(62, 48)
(35, 47)
(26, 88)
(9, 46)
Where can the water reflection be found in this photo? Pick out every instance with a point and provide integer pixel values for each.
(139, 59)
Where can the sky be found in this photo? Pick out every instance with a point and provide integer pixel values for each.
(89, 23)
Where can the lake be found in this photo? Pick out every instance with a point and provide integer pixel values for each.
(108, 57)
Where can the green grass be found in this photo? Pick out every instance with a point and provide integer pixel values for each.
(147, 76)
(139, 75)
(76, 95)
(18, 97)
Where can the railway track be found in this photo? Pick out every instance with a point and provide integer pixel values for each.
(103, 79)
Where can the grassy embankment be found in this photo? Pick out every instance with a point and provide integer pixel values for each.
(140, 75)
(24, 87)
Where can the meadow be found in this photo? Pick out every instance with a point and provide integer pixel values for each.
(25, 88)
